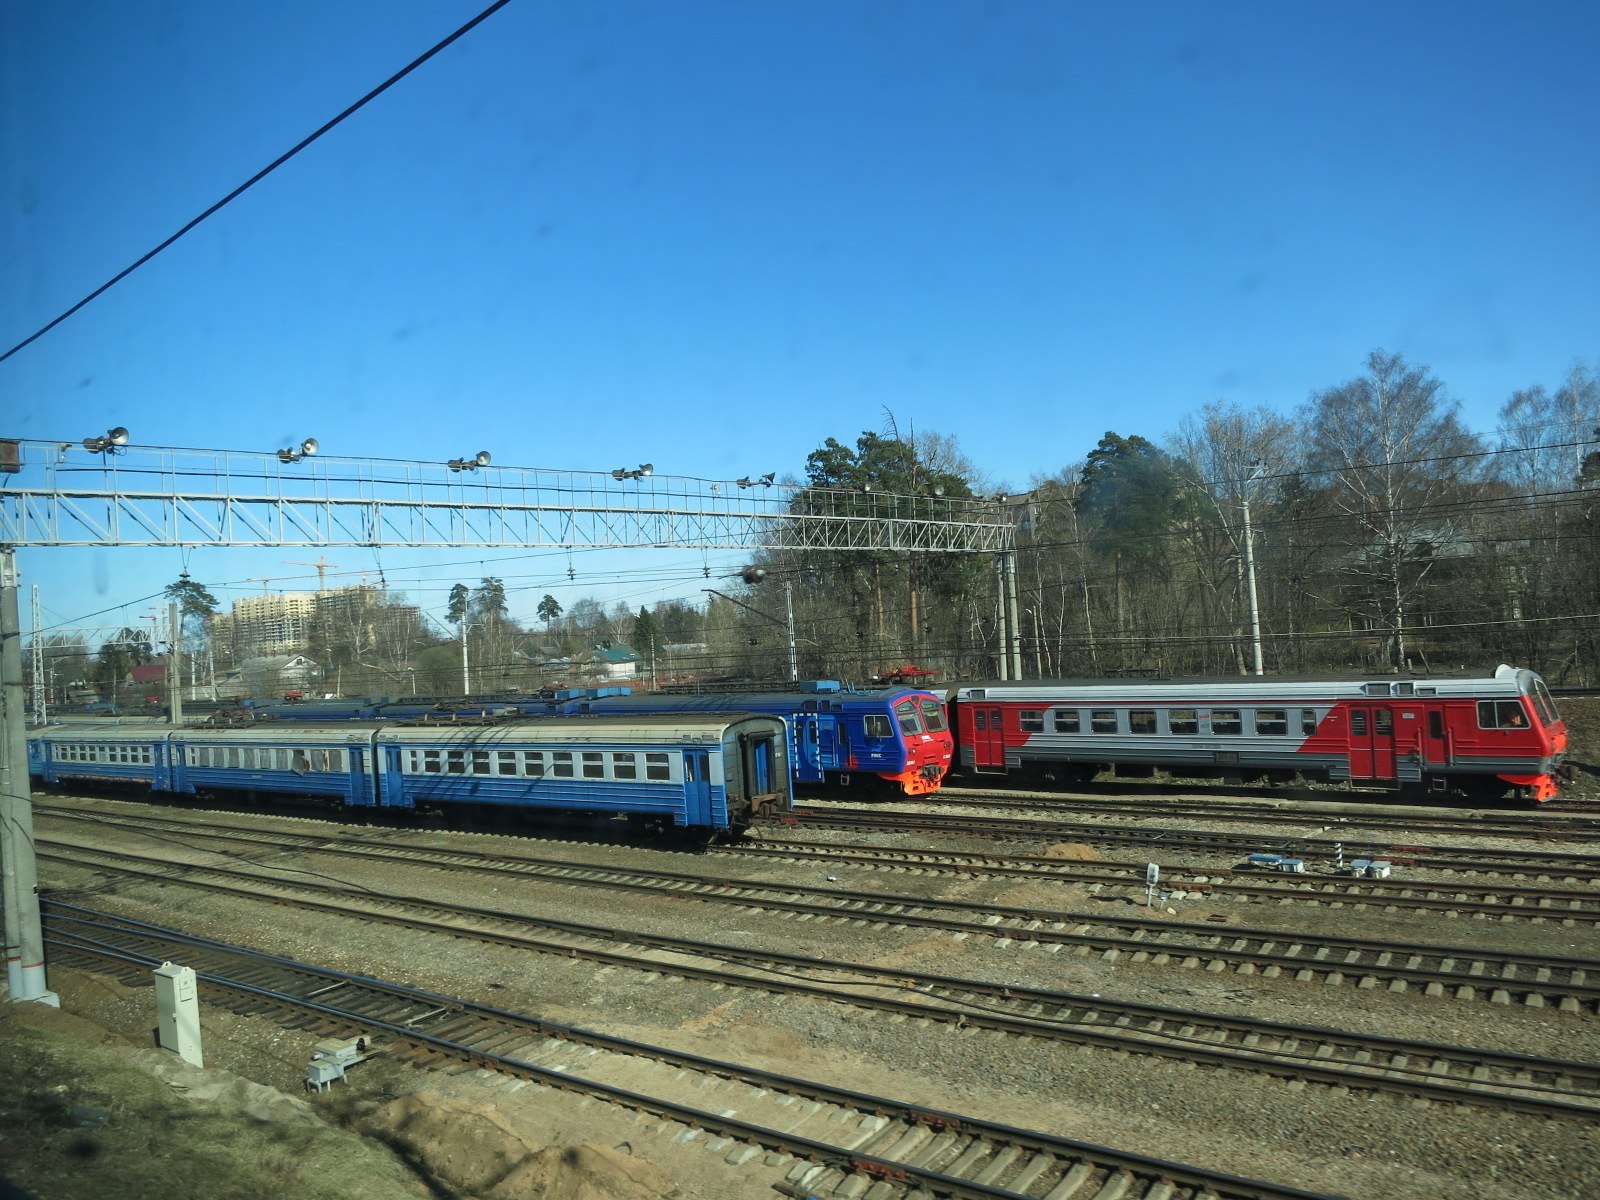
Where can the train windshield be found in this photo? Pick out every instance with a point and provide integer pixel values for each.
(906, 713)
(1543, 703)
(933, 714)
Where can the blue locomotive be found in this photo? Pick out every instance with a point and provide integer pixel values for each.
(704, 772)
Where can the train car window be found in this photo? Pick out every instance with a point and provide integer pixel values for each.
(877, 725)
(594, 764)
(1184, 720)
(1141, 720)
(533, 764)
(432, 762)
(233, 759)
(906, 713)
(561, 764)
(1272, 722)
(455, 762)
(1226, 721)
(1436, 724)
(980, 719)
(932, 714)
(299, 766)
(319, 760)
(1383, 722)
(482, 762)
(624, 765)
(505, 762)
(1308, 721)
(1066, 720)
(1501, 714)
(1103, 720)
(1358, 722)
(1543, 703)
(657, 766)
(1031, 720)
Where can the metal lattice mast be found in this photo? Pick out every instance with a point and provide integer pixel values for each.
(39, 713)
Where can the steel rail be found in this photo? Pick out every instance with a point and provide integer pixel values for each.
(1220, 1041)
(468, 1030)
(1561, 979)
(1534, 827)
(1457, 858)
(1564, 905)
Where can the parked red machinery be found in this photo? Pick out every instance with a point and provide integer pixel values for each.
(1485, 738)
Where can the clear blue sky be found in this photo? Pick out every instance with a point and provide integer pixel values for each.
(712, 235)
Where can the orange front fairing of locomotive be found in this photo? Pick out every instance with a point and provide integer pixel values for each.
(928, 742)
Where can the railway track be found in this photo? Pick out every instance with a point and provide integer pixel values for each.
(1533, 826)
(828, 1140)
(1544, 865)
(1479, 901)
(1476, 901)
(1336, 1058)
(1465, 972)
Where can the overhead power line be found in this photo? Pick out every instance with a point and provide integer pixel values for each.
(262, 174)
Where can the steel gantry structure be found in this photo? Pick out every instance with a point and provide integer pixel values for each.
(62, 494)
(104, 492)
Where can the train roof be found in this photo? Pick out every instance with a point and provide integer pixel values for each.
(739, 701)
(585, 727)
(664, 728)
(1506, 681)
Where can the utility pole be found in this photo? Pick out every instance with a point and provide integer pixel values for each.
(23, 932)
(1250, 572)
(174, 667)
(753, 576)
(466, 682)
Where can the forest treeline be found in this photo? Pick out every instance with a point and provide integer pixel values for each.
(1386, 536)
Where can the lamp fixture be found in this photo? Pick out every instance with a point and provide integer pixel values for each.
(306, 449)
(480, 459)
(114, 439)
(759, 481)
(642, 471)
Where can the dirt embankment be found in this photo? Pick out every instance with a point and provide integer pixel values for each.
(1582, 716)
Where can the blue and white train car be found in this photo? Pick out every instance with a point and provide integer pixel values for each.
(324, 761)
(714, 771)
(706, 772)
(131, 754)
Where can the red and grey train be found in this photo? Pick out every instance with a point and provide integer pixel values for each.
(1485, 738)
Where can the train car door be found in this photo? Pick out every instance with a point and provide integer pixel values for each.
(1372, 742)
(697, 786)
(757, 765)
(805, 746)
(827, 742)
(987, 736)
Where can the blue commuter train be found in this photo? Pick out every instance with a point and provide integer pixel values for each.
(708, 773)
(898, 736)
(894, 737)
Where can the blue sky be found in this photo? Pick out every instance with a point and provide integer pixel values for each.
(712, 235)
